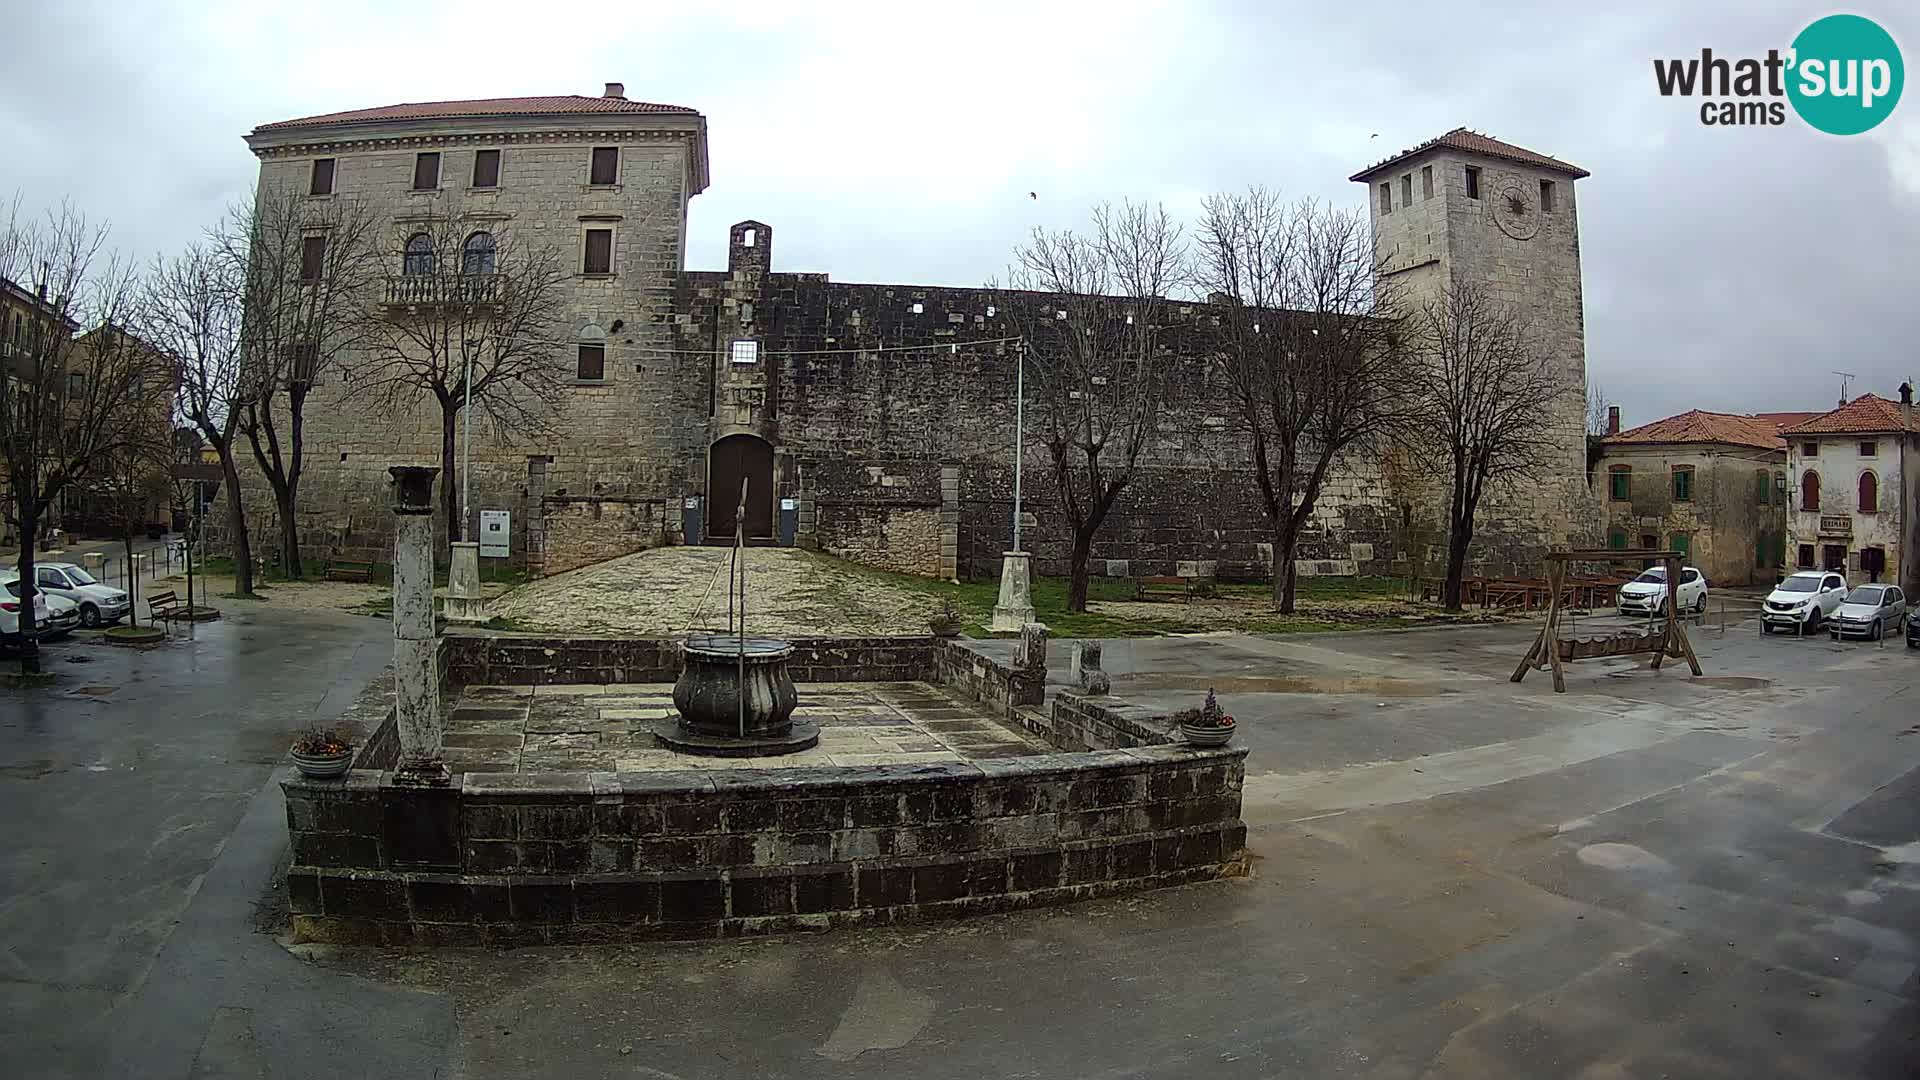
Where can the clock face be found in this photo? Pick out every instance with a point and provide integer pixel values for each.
(1514, 211)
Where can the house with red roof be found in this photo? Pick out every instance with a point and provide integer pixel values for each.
(1852, 503)
(1711, 484)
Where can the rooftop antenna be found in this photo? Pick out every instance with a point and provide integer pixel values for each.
(1844, 376)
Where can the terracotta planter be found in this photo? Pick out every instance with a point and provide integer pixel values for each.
(1197, 735)
(323, 766)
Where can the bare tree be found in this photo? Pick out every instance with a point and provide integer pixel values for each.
(1489, 389)
(192, 313)
(308, 279)
(475, 316)
(133, 479)
(1313, 372)
(1598, 406)
(1094, 350)
(62, 399)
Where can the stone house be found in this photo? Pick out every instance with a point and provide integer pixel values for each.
(1713, 485)
(1852, 500)
(23, 316)
(870, 420)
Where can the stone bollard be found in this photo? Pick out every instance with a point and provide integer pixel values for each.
(1015, 607)
(1085, 672)
(416, 669)
(1029, 680)
(464, 603)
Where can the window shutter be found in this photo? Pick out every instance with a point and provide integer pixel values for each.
(606, 166)
(599, 256)
(486, 168)
(593, 363)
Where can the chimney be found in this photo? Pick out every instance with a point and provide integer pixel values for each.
(616, 90)
(1613, 419)
(1906, 393)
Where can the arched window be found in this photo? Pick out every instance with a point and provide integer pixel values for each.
(419, 256)
(1869, 494)
(1809, 490)
(476, 255)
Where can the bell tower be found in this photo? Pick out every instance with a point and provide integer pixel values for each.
(1466, 207)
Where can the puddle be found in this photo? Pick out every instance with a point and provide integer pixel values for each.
(1377, 685)
(1621, 857)
(95, 691)
(1731, 682)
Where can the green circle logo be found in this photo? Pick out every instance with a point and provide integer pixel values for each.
(1846, 74)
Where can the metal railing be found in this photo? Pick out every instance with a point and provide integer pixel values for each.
(420, 290)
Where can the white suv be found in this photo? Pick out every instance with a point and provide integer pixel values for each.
(10, 609)
(1803, 601)
(1647, 594)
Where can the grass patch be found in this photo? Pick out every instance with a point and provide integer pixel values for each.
(316, 570)
(975, 600)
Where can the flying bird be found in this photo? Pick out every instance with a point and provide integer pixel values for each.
(1034, 195)
(1375, 135)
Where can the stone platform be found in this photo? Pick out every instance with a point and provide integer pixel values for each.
(609, 728)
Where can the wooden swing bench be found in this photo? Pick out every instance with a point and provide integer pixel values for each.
(1550, 650)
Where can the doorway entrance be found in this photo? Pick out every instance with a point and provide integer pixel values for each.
(1833, 557)
(1873, 561)
(731, 460)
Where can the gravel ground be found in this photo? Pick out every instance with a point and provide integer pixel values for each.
(671, 590)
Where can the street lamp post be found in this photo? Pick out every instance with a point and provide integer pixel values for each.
(467, 348)
(464, 604)
(1015, 607)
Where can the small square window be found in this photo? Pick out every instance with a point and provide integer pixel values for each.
(606, 166)
(1386, 198)
(313, 258)
(1805, 557)
(322, 183)
(746, 352)
(1406, 190)
(486, 168)
(1868, 448)
(599, 254)
(1546, 196)
(426, 172)
(592, 363)
(1426, 181)
(1473, 182)
(1811, 449)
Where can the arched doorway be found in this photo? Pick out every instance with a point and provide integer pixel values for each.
(733, 459)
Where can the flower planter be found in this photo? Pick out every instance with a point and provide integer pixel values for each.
(322, 766)
(1206, 735)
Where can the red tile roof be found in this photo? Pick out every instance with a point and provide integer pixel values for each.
(1476, 143)
(447, 110)
(1697, 426)
(1866, 414)
(1786, 420)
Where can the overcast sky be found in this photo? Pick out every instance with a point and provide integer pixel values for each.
(1730, 269)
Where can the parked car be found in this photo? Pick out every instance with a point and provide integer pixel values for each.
(100, 605)
(1869, 611)
(53, 616)
(1803, 601)
(1647, 594)
(1913, 633)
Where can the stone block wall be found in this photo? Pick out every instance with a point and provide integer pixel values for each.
(904, 539)
(580, 530)
(1005, 689)
(564, 857)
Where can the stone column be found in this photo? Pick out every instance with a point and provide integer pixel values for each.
(1029, 682)
(416, 668)
(537, 514)
(464, 602)
(950, 522)
(1015, 608)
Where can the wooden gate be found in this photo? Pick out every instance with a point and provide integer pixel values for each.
(733, 459)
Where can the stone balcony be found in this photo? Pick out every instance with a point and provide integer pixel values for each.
(423, 290)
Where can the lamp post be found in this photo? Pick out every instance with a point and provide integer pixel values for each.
(1015, 607)
(464, 603)
(468, 347)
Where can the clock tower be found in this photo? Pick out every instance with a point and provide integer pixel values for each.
(1466, 207)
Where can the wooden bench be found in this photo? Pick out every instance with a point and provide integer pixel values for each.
(1163, 586)
(341, 570)
(164, 605)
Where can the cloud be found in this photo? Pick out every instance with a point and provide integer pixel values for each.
(1728, 269)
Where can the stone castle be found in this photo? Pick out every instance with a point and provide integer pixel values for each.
(870, 421)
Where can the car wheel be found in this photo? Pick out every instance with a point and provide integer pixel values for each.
(1701, 607)
(1874, 633)
(89, 616)
(1814, 620)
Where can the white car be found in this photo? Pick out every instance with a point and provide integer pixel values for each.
(52, 616)
(1647, 594)
(1870, 611)
(1803, 601)
(100, 605)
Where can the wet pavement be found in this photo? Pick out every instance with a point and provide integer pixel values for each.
(1453, 875)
